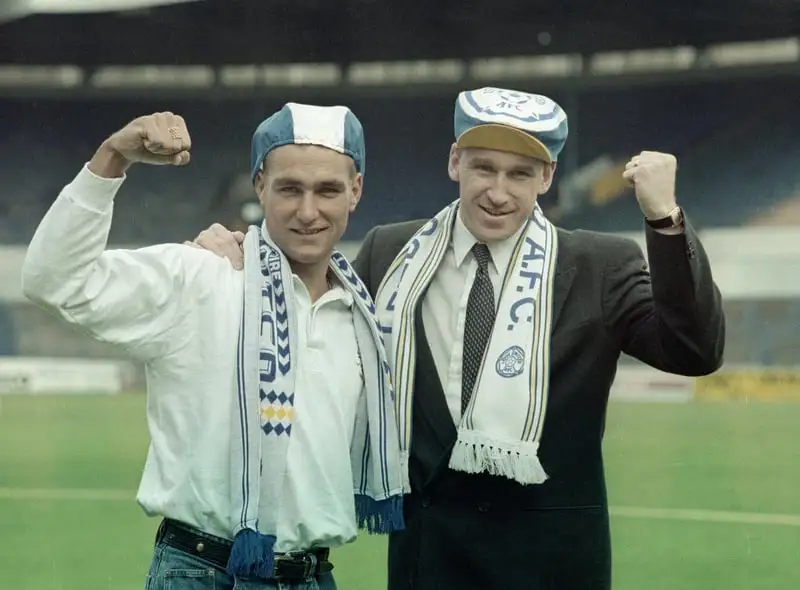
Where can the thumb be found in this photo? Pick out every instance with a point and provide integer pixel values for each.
(180, 159)
(238, 236)
(630, 176)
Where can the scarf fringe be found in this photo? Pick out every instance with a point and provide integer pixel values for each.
(252, 554)
(517, 461)
(380, 516)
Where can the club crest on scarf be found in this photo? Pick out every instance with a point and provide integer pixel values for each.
(511, 362)
(497, 434)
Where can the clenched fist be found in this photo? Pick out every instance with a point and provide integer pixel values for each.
(652, 175)
(160, 138)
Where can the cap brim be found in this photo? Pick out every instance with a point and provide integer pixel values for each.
(493, 136)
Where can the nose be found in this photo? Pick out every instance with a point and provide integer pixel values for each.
(498, 193)
(307, 212)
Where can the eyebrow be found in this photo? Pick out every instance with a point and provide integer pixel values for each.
(337, 185)
(481, 162)
(286, 181)
(529, 168)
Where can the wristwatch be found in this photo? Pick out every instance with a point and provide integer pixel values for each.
(674, 219)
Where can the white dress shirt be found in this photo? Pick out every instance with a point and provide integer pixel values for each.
(444, 307)
(177, 309)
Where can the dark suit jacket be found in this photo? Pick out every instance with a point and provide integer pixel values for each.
(485, 532)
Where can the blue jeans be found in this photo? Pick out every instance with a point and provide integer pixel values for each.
(173, 569)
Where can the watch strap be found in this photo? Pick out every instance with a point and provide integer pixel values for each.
(674, 219)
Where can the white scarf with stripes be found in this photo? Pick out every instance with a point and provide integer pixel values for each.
(500, 430)
(263, 411)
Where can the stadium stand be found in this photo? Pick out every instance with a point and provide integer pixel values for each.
(719, 133)
(735, 142)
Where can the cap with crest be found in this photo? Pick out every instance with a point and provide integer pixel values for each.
(508, 120)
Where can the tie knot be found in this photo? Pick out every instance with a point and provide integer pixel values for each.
(482, 255)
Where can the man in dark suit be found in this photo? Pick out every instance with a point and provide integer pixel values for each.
(488, 510)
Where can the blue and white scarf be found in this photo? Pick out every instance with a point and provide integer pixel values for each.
(263, 410)
(500, 430)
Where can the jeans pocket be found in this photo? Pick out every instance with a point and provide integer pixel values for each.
(189, 579)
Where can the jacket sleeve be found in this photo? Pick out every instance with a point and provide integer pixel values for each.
(669, 316)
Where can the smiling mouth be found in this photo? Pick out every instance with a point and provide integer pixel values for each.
(494, 213)
(310, 231)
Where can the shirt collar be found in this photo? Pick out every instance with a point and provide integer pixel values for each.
(501, 251)
(337, 292)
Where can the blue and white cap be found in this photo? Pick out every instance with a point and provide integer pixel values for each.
(510, 121)
(333, 127)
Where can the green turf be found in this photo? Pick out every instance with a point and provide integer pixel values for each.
(723, 457)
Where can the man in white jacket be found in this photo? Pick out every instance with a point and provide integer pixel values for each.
(269, 403)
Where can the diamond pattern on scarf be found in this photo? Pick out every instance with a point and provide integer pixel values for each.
(277, 412)
(478, 323)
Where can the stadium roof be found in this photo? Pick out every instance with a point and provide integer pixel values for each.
(274, 31)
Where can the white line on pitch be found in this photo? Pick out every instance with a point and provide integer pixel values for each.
(98, 494)
(65, 494)
(705, 515)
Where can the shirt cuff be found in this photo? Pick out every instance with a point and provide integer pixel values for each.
(93, 192)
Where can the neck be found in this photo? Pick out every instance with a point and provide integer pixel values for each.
(314, 277)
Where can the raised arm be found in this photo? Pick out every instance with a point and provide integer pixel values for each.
(131, 298)
(671, 315)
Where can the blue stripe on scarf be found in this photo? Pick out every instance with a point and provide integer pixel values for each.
(243, 418)
(383, 437)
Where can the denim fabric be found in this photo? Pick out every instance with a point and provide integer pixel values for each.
(173, 569)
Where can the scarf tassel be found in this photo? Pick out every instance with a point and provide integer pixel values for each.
(380, 516)
(252, 554)
(521, 464)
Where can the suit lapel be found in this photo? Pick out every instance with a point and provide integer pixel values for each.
(562, 283)
(565, 274)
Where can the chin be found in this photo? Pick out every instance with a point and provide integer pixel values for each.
(309, 254)
(496, 232)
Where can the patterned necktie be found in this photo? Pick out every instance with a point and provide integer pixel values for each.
(478, 324)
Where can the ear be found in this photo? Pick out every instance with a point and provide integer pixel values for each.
(548, 172)
(260, 185)
(453, 162)
(357, 189)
